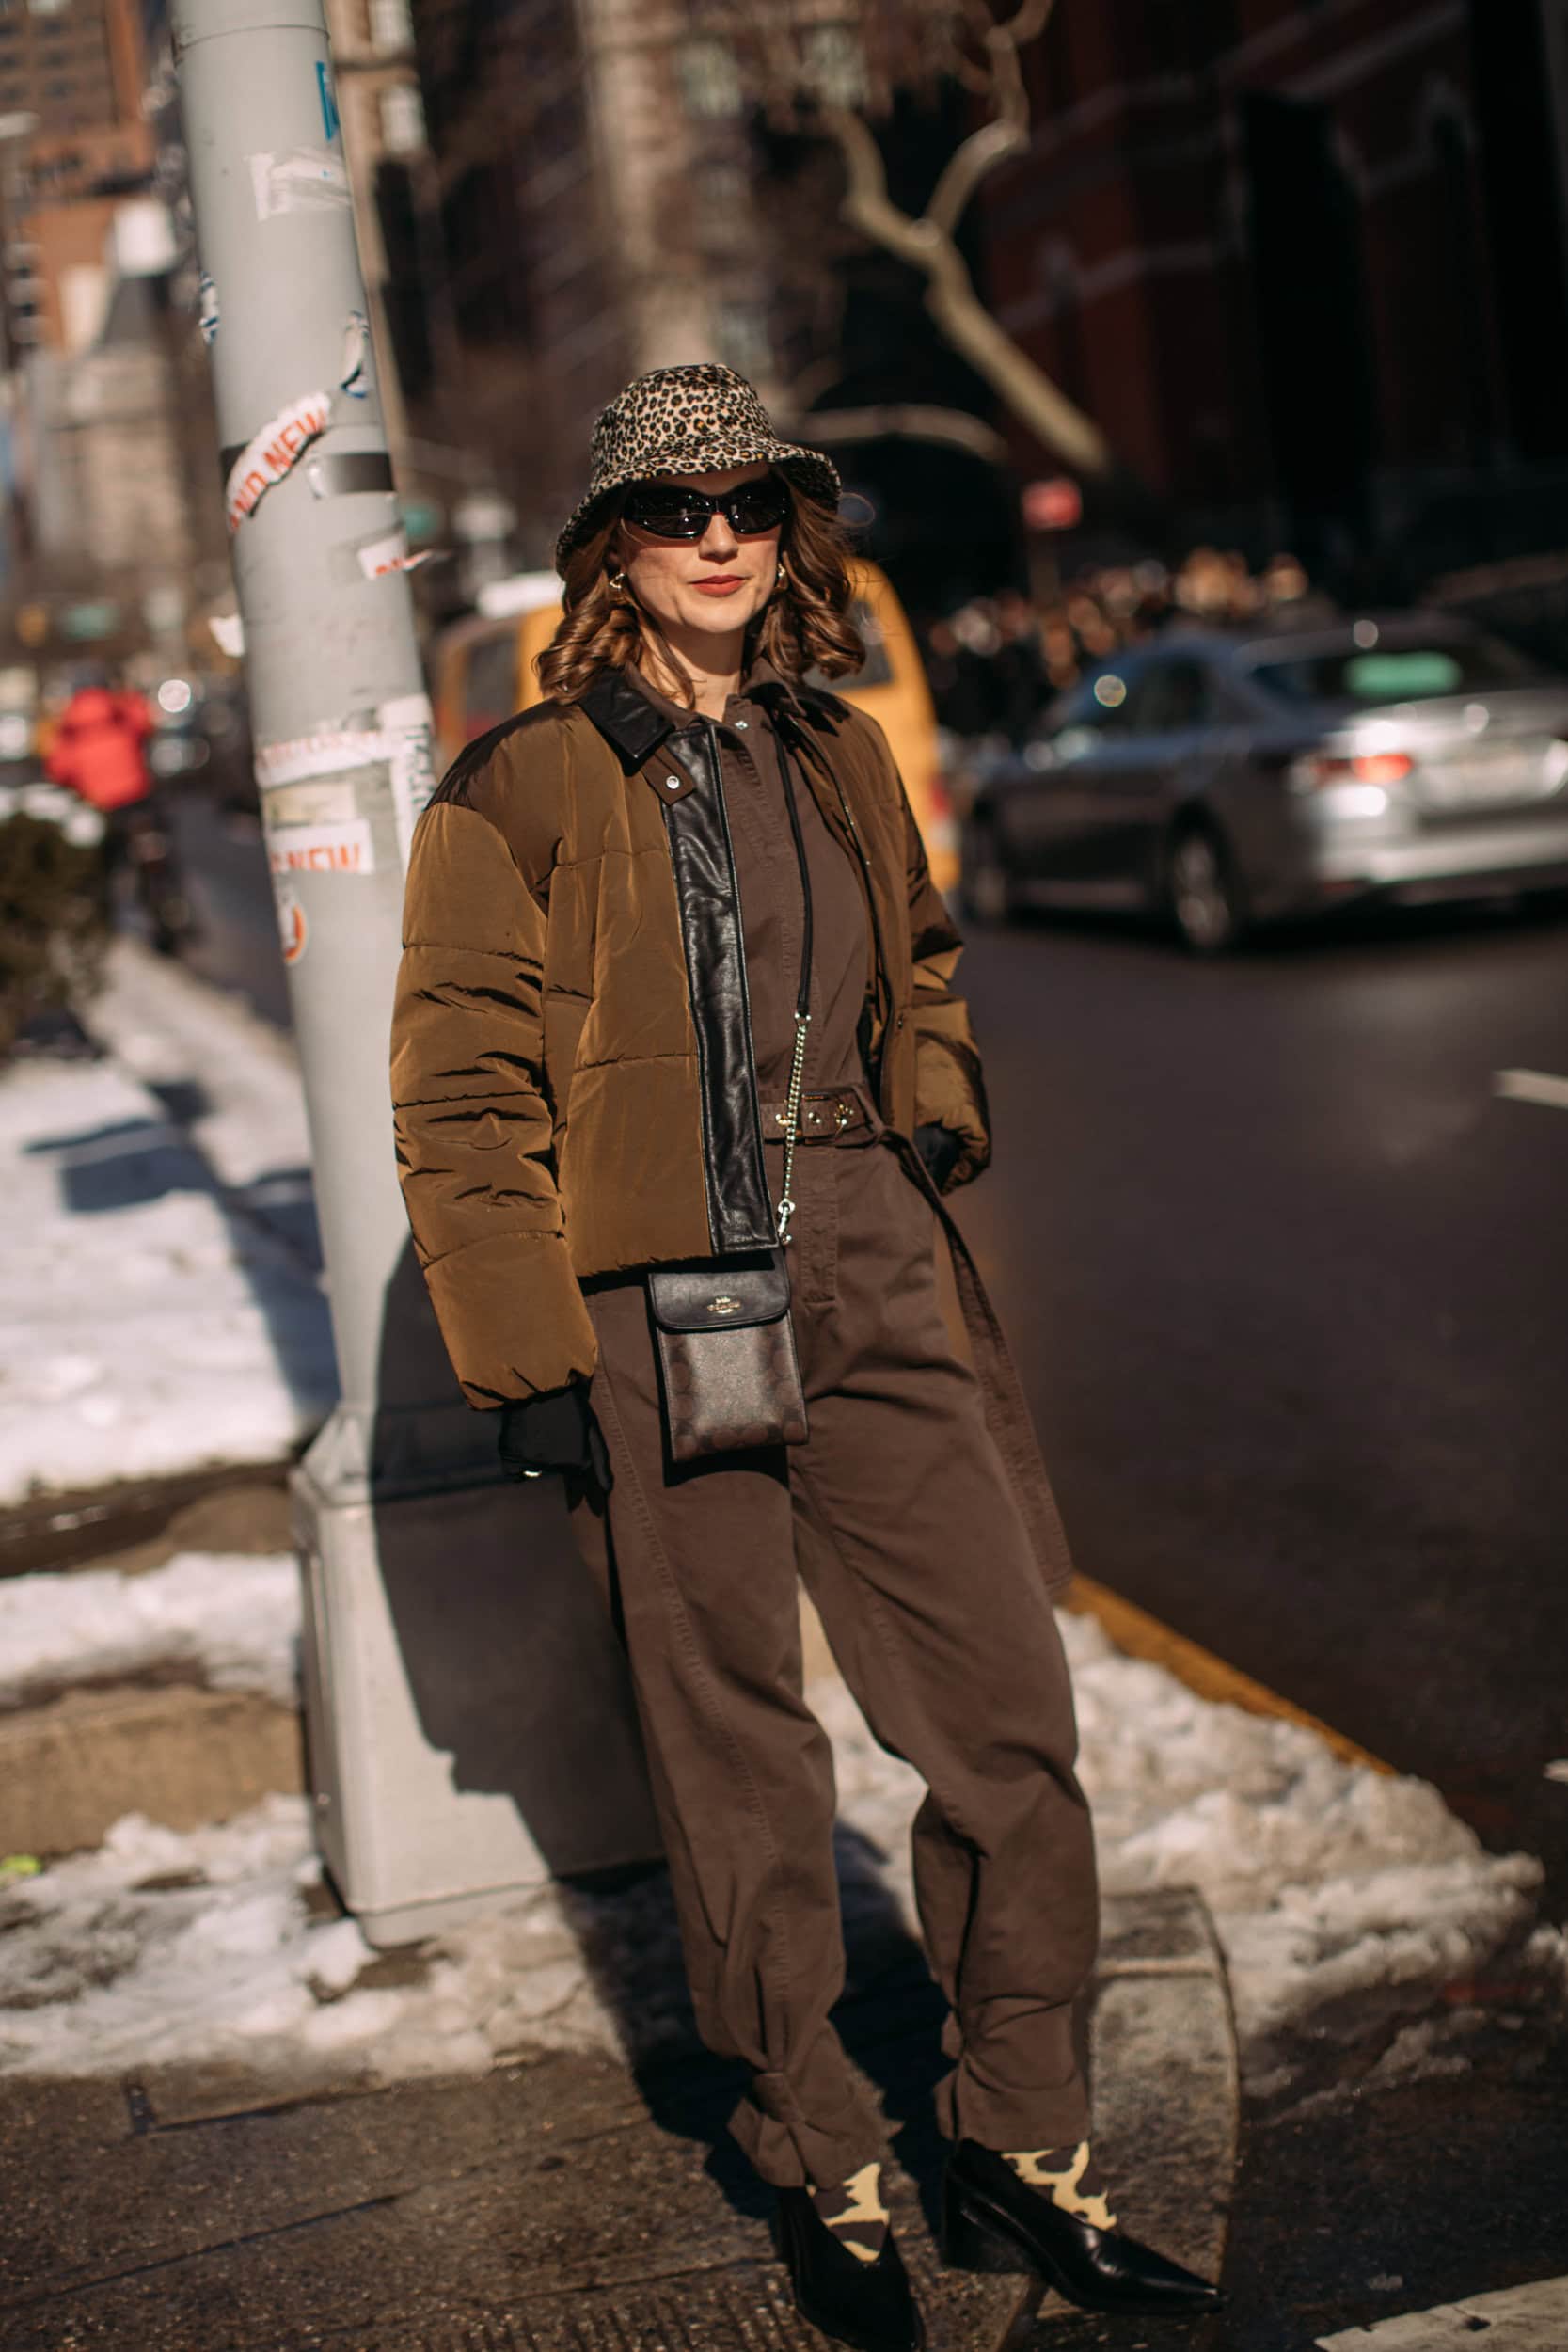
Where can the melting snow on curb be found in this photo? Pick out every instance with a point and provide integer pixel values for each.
(1325, 1880)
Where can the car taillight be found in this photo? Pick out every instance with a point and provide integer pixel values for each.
(1317, 771)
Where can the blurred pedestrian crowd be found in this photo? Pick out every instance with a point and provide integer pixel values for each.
(997, 660)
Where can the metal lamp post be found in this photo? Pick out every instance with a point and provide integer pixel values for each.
(468, 1717)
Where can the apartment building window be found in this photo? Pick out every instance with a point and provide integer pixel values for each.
(834, 65)
(710, 78)
(402, 131)
(391, 25)
(723, 207)
(740, 330)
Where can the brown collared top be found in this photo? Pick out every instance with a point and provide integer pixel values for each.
(772, 908)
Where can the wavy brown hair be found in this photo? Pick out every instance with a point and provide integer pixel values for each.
(805, 625)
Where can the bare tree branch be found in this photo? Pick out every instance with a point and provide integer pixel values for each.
(1008, 135)
(867, 202)
(982, 51)
(1030, 22)
(967, 166)
(928, 244)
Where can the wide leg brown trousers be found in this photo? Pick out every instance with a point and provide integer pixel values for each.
(898, 1514)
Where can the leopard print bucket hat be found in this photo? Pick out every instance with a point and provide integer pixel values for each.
(692, 420)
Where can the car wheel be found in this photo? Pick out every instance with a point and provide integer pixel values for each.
(1204, 900)
(986, 887)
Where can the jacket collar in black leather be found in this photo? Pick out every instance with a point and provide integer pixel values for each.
(634, 725)
(626, 718)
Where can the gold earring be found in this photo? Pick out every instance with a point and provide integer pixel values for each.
(618, 581)
(782, 577)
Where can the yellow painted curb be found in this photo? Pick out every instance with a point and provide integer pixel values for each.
(1140, 1635)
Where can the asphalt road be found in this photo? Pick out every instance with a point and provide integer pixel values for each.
(1288, 1282)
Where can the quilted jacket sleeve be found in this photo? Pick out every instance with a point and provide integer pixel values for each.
(472, 1119)
(949, 1084)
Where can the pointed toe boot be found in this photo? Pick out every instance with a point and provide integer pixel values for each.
(991, 2220)
(868, 2305)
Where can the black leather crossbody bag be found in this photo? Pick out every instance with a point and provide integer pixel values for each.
(727, 1355)
(727, 1362)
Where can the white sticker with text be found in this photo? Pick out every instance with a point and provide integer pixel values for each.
(303, 757)
(344, 848)
(310, 804)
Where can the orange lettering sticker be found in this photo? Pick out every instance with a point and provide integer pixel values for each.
(273, 452)
(292, 928)
(345, 848)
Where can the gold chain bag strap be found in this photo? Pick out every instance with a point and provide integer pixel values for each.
(727, 1360)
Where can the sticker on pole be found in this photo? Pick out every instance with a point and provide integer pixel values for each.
(304, 759)
(302, 180)
(331, 120)
(386, 553)
(271, 454)
(340, 848)
(410, 733)
(397, 754)
(293, 930)
(354, 374)
(310, 804)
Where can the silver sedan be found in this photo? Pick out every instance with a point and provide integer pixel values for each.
(1233, 781)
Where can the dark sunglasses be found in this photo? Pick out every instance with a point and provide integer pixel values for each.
(670, 513)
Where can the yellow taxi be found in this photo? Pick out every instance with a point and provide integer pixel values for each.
(483, 671)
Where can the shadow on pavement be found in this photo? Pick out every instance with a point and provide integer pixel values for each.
(131, 1163)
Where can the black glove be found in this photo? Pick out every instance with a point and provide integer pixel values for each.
(941, 1150)
(554, 1432)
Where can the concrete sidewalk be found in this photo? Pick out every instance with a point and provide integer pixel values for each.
(563, 2199)
(565, 2203)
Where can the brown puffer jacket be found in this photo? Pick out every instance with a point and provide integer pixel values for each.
(571, 1064)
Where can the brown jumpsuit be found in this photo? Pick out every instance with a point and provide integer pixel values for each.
(898, 1516)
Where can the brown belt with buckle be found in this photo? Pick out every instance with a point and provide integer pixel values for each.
(829, 1115)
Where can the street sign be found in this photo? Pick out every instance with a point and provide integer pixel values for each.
(1053, 504)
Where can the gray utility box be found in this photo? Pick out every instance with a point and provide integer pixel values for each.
(469, 1717)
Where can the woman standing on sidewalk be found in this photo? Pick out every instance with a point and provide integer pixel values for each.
(676, 988)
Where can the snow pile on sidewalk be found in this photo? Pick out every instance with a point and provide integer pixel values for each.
(227, 1620)
(1327, 1881)
(155, 1320)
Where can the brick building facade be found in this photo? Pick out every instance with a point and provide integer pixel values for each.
(597, 190)
(1305, 263)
